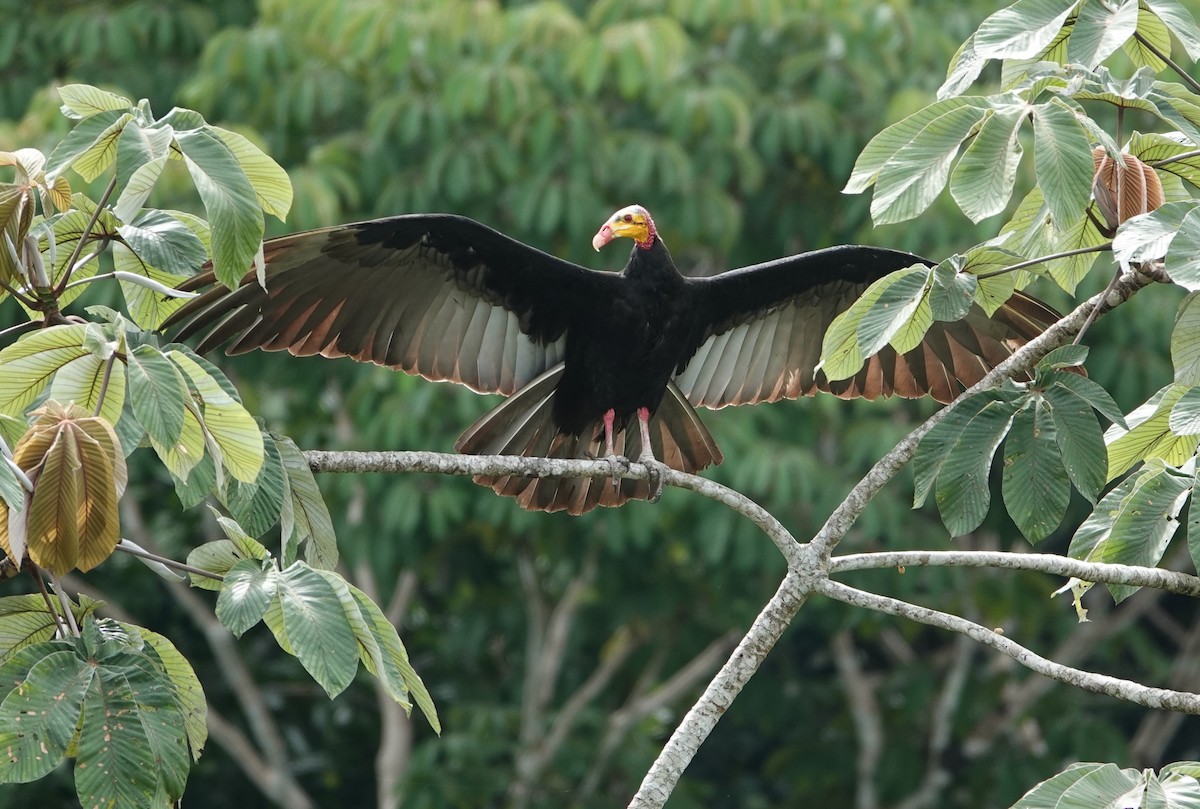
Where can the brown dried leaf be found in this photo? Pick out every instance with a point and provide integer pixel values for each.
(99, 526)
(55, 510)
(1124, 188)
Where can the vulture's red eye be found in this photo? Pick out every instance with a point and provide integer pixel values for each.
(628, 217)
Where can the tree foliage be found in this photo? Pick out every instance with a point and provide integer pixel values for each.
(735, 123)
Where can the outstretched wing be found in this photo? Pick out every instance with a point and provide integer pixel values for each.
(763, 327)
(436, 295)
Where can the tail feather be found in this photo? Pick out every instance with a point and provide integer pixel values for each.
(524, 425)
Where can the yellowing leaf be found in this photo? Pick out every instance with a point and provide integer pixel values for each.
(228, 423)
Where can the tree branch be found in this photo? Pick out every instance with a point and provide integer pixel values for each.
(1089, 681)
(1022, 361)
(1133, 575)
(770, 624)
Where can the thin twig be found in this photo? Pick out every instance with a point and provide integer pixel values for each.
(1168, 580)
(108, 366)
(67, 612)
(1091, 318)
(1183, 74)
(83, 237)
(36, 573)
(166, 561)
(1021, 265)
(1160, 698)
(1166, 161)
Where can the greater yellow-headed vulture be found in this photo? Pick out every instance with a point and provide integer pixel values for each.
(580, 353)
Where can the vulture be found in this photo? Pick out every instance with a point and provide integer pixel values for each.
(593, 363)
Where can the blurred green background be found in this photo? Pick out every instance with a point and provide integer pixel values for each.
(736, 124)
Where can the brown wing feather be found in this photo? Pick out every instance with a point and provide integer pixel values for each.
(436, 295)
(762, 329)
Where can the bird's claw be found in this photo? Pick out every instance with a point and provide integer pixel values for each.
(620, 465)
(655, 467)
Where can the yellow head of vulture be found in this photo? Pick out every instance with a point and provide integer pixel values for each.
(632, 222)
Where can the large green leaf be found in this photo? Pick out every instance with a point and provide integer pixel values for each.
(116, 764)
(1149, 434)
(1048, 793)
(229, 200)
(1132, 524)
(157, 393)
(91, 147)
(38, 717)
(903, 300)
(1185, 415)
(27, 365)
(1023, 29)
(1149, 236)
(1080, 439)
(1183, 259)
(1181, 22)
(84, 101)
(947, 435)
(1035, 485)
(913, 177)
(84, 380)
(316, 627)
(884, 146)
(248, 588)
(187, 691)
(982, 182)
(256, 506)
(268, 179)
(1100, 29)
(142, 153)
(305, 515)
(1062, 158)
(392, 666)
(1106, 786)
(229, 424)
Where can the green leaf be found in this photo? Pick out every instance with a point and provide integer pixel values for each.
(141, 156)
(963, 494)
(189, 696)
(1062, 158)
(187, 452)
(268, 179)
(1181, 22)
(1023, 29)
(903, 299)
(231, 427)
(39, 716)
(1193, 532)
(884, 146)
(1068, 356)
(1148, 236)
(27, 365)
(229, 200)
(1183, 259)
(993, 292)
(248, 588)
(147, 308)
(1134, 522)
(316, 627)
(83, 380)
(1048, 793)
(116, 765)
(157, 393)
(165, 243)
(1149, 434)
(952, 293)
(1080, 439)
(91, 147)
(256, 506)
(217, 557)
(945, 436)
(1104, 787)
(1178, 791)
(913, 177)
(1185, 415)
(305, 515)
(1035, 484)
(1099, 30)
(1153, 38)
(982, 182)
(84, 101)
(1094, 394)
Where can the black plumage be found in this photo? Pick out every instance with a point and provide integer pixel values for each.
(450, 299)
